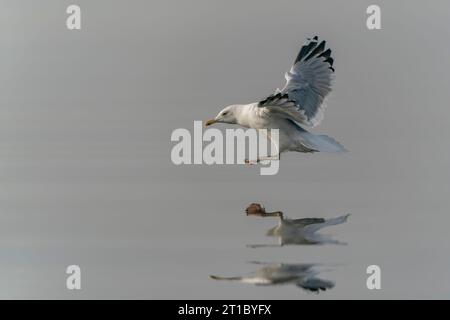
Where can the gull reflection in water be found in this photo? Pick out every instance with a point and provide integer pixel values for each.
(269, 274)
(295, 231)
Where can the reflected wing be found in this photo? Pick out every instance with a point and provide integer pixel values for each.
(308, 221)
(330, 222)
(315, 284)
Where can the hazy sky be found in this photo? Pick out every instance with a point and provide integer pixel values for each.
(85, 124)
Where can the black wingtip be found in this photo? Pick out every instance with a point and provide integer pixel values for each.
(326, 54)
(330, 60)
(317, 50)
(312, 48)
(306, 49)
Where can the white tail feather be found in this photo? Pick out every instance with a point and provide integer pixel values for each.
(322, 142)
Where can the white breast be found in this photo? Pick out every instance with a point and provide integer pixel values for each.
(256, 117)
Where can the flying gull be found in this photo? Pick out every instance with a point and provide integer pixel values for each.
(299, 103)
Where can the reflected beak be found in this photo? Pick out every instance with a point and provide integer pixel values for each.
(210, 122)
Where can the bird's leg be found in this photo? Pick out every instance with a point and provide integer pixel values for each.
(277, 149)
(247, 161)
(254, 246)
(277, 157)
(259, 160)
(267, 158)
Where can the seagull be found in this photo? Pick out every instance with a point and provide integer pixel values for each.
(295, 231)
(299, 103)
(301, 275)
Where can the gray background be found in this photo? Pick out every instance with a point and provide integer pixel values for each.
(85, 124)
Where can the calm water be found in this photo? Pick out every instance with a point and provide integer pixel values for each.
(86, 175)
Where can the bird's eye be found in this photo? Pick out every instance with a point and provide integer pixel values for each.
(225, 113)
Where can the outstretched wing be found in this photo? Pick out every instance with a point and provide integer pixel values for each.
(326, 223)
(307, 85)
(307, 221)
(315, 285)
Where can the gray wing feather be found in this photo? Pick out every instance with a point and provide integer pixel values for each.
(316, 284)
(308, 221)
(308, 83)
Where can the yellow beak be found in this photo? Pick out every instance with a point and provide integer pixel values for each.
(210, 122)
